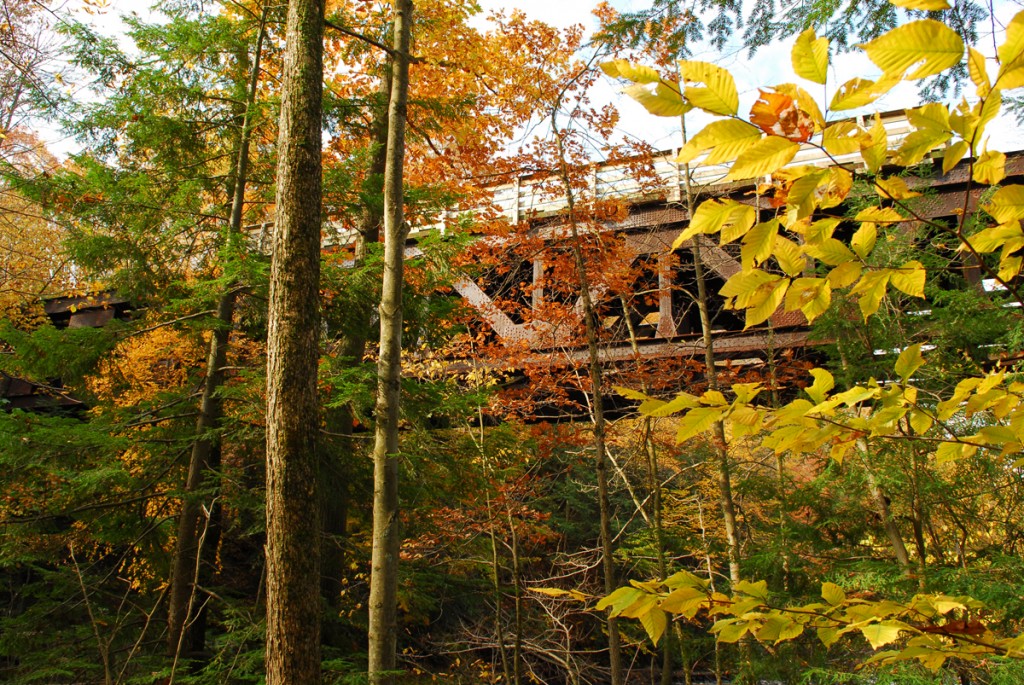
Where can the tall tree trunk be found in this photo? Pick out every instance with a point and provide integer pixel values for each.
(721, 445)
(386, 524)
(597, 403)
(725, 496)
(334, 462)
(186, 632)
(892, 531)
(293, 503)
(655, 518)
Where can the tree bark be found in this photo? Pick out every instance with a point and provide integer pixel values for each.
(293, 503)
(353, 346)
(185, 632)
(597, 403)
(725, 496)
(892, 531)
(721, 446)
(386, 524)
(655, 518)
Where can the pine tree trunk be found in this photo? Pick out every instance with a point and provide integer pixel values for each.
(186, 627)
(386, 523)
(293, 506)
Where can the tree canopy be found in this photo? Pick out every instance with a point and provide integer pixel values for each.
(749, 409)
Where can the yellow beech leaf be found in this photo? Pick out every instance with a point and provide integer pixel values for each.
(713, 216)
(920, 422)
(760, 312)
(871, 287)
(842, 138)
(953, 451)
(630, 394)
(978, 70)
(746, 288)
(923, 48)
(662, 102)
(994, 238)
(802, 198)
(713, 398)
(811, 296)
(874, 146)
(990, 168)
(837, 187)
(822, 229)
(964, 120)
(833, 594)
(654, 622)
(779, 628)
(910, 278)
(726, 139)
(934, 115)
(739, 223)
(681, 402)
(730, 630)
(681, 579)
(697, 421)
(883, 633)
(845, 274)
(860, 92)
(894, 188)
(758, 292)
(986, 110)
(953, 154)
(685, 600)
(830, 251)
(1011, 55)
(910, 360)
(758, 243)
(1007, 204)
(621, 599)
(1009, 267)
(788, 255)
(746, 392)
(810, 57)
(823, 383)
(718, 96)
(880, 215)
(763, 157)
(828, 636)
(933, 5)
(863, 241)
(637, 73)
(758, 589)
(919, 143)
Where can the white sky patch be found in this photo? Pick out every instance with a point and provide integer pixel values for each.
(768, 66)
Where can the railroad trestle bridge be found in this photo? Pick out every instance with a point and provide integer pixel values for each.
(664, 324)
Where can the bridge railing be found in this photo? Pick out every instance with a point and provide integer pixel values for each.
(533, 196)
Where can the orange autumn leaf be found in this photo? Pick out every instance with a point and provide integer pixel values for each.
(778, 115)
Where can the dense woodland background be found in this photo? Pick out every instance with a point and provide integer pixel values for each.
(132, 522)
